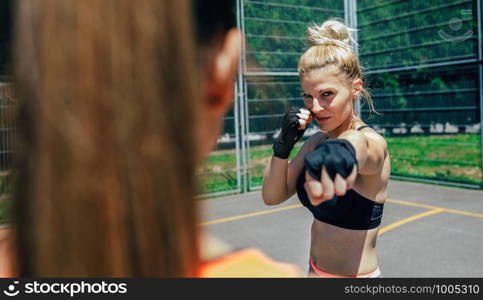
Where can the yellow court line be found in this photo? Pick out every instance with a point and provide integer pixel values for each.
(464, 213)
(258, 213)
(449, 210)
(409, 219)
(411, 203)
(402, 202)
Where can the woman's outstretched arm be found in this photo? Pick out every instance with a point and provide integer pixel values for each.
(334, 167)
(280, 177)
(371, 150)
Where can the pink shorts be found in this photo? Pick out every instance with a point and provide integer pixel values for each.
(313, 270)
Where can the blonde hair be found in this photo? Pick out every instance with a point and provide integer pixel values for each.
(105, 183)
(329, 45)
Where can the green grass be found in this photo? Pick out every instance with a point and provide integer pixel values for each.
(449, 158)
(4, 209)
(453, 158)
(5, 192)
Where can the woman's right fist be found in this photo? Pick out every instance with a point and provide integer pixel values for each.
(294, 124)
(305, 117)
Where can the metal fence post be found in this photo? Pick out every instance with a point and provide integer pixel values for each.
(247, 135)
(237, 109)
(237, 136)
(350, 15)
(242, 157)
(479, 20)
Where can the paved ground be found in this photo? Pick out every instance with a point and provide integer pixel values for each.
(427, 230)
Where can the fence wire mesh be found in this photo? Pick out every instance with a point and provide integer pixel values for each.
(7, 127)
(423, 63)
(423, 66)
(275, 31)
(408, 33)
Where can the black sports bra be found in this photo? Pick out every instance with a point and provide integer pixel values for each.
(351, 211)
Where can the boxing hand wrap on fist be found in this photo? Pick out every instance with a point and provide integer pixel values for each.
(337, 155)
(290, 133)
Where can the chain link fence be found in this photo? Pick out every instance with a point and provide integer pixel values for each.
(7, 114)
(423, 66)
(423, 61)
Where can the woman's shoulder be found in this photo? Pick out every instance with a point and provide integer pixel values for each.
(316, 139)
(320, 135)
(372, 133)
(374, 185)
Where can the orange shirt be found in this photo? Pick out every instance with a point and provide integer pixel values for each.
(6, 244)
(247, 263)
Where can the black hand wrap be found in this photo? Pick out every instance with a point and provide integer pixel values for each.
(337, 155)
(289, 135)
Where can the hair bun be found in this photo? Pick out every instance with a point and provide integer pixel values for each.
(331, 32)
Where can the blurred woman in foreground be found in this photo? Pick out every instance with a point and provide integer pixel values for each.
(115, 112)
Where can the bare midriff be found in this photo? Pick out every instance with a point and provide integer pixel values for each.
(347, 252)
(341, 251)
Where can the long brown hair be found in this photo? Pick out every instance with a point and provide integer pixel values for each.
(106, 148)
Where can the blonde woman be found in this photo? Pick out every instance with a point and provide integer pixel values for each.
(341, 173)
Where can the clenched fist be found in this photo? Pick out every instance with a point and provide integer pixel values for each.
(330, 169)
(294, 124)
